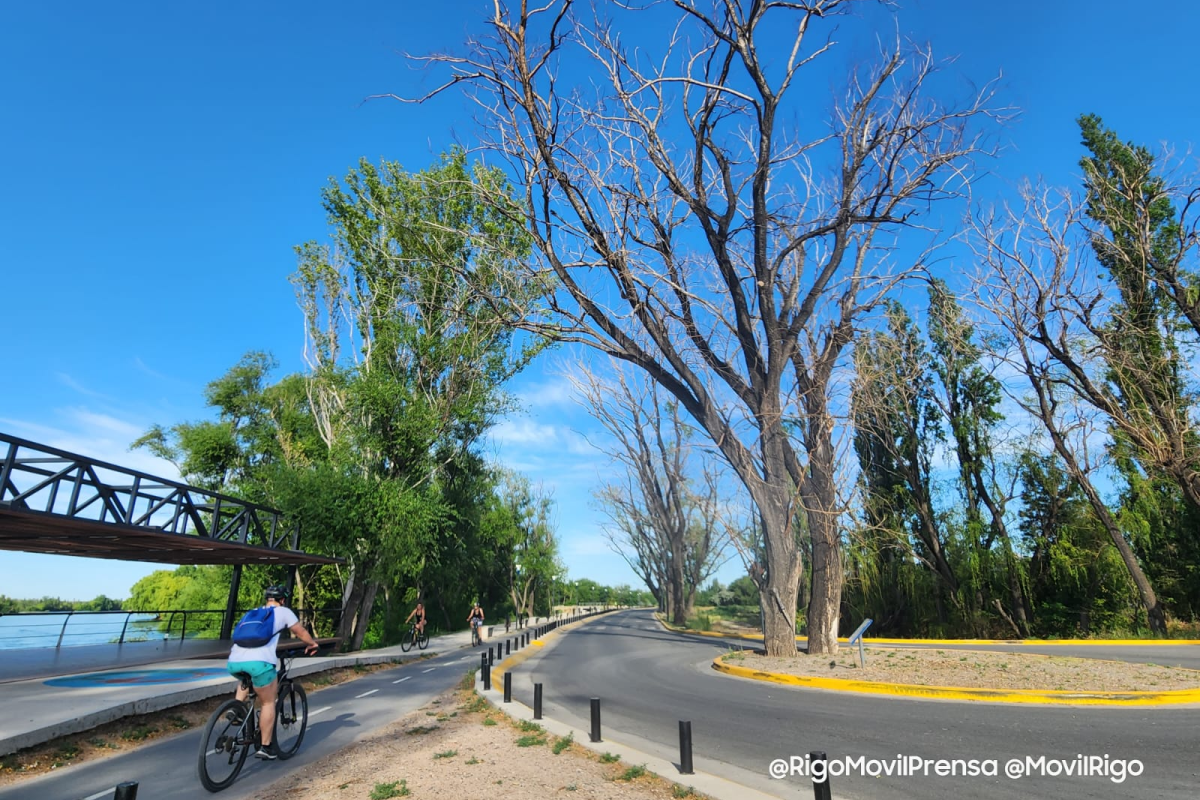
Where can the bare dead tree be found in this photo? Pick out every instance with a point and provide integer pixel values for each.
(690, 218)
(668, 515)
(636, 542)
(1042, 290)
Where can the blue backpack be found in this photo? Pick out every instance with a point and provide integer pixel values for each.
(256, 628)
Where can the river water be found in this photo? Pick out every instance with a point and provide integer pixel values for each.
(42, 630)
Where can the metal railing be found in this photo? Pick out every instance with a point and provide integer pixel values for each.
(50, 628)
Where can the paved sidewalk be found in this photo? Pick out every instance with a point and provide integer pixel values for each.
(38, 710)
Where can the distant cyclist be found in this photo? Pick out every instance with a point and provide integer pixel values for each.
(418, 616)
(261, 663)
(475, 619)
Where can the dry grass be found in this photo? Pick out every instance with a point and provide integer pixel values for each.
(978, 670)
(464, 756)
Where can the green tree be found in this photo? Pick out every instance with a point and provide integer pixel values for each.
(412, 279)
(223, 454)
(896, 431)
(970, 402)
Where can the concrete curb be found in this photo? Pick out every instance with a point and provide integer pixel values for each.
(631, 749)
(1000, 696)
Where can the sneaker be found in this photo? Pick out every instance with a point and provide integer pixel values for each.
(266, 752)
(236, 716)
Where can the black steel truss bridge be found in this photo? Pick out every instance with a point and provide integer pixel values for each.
(52, 501)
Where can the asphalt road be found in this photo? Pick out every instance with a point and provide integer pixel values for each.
(338, 715)
(649, 679)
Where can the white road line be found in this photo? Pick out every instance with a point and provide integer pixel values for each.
(366, 694)
(431, 669)
(402, 680)
(105, 793)
(312, 714)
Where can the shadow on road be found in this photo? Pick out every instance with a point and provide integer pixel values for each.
(324, 728)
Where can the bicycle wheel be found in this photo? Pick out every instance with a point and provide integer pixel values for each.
(224, 746)
(474, 636)
(291, 719)
(422, 640)
(406, 643)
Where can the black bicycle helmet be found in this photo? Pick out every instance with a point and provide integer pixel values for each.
(276, 593)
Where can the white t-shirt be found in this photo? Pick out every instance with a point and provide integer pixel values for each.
(284, 618)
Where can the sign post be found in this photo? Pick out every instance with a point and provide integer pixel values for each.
(857, 637)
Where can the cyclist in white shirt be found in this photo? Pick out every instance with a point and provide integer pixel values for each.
(262, 665)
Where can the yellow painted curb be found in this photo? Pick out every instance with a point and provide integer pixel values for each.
(1029, 642)
(1052, 697)
(516, 659)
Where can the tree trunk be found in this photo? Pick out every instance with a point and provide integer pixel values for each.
(351, 602)
(363, 618)
(782, 580)
(679, 611)
(820, 506)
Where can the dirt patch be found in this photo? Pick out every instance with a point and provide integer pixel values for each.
(131, 733)
(459, 746)
(978, 670)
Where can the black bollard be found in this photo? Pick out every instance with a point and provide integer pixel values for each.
(685, 747)
(126, 791)
(537, 701)
(507, 646)
(491, 657)
(596, 719)
(487, 677)
(821, 790)
(483, 661)
(508, 687)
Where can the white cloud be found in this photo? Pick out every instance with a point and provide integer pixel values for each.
(98, 436)
(93, 422)
(510, 432)
(71, 383)
(548, 394)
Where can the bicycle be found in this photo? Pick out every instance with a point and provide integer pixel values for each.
(475, 640)
(419, 638)
(231, 732)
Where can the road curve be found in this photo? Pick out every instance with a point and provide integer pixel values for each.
(648, 679)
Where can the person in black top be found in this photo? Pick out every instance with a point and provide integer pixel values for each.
(418, 616)
(475, 618)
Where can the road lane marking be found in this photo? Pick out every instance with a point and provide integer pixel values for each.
(366, 694)
(312, 714)
(431, 669)
(107, 792)
(402, 680)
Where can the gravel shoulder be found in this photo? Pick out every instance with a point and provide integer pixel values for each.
(460, 746)
(977, 670)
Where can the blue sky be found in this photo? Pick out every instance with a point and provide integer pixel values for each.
(163, 159)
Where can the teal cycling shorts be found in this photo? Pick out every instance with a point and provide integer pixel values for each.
(261, 673)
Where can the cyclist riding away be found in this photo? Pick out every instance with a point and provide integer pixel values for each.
(475, 618)
(418, 616)
(261, 663)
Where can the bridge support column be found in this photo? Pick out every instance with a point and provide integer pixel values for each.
(231, 605)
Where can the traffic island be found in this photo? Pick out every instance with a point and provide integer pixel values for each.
(967, 675)
(460, 746)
